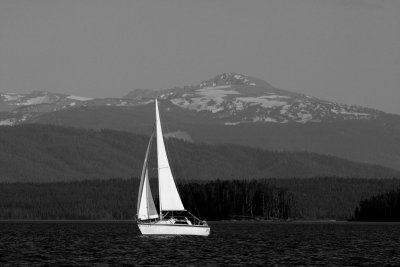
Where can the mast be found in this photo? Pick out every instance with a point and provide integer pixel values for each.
(158, 125)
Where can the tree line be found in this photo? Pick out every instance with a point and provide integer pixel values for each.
(380, 208)
(311, 199)
(116, 199)
(237, 199)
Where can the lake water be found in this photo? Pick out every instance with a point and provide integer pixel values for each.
(230, 243)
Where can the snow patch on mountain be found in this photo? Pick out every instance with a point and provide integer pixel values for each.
(34, 101)
(79, 98)
(11, 97)
(216, 92)
(122, 104)
(208, 98)
(276, 96)
(263, 101)
(233, 123)
(263, 119)
(199, 104)
(236, 105)
(304, 116)
(8, 122)
(345, 112)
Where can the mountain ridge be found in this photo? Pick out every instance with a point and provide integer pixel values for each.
(231, 98)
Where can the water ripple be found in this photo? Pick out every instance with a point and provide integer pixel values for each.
(230, 243)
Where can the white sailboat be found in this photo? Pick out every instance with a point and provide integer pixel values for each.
(173, 218)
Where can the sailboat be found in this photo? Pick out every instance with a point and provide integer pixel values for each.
(172, 218)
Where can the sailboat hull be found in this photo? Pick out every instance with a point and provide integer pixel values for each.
(173, 229)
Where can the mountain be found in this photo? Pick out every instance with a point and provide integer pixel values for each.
(232, 108)
(235, 99)
(42, 153)
(230, 98)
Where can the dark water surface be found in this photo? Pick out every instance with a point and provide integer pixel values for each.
(230, 243)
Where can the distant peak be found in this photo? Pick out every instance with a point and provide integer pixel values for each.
(229, 78)
(229, 75)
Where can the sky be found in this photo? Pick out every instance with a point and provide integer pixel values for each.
(346, 51)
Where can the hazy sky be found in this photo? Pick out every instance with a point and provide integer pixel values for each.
(341, 50)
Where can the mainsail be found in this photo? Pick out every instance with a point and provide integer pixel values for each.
(169, 196)
(146, 208)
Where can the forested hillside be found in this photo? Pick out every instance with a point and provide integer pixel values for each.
(371, 141)
(316, 198)
(40, 153)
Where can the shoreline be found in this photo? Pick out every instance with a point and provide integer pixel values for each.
(212, 222)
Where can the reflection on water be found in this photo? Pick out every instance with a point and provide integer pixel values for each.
(230, 243)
